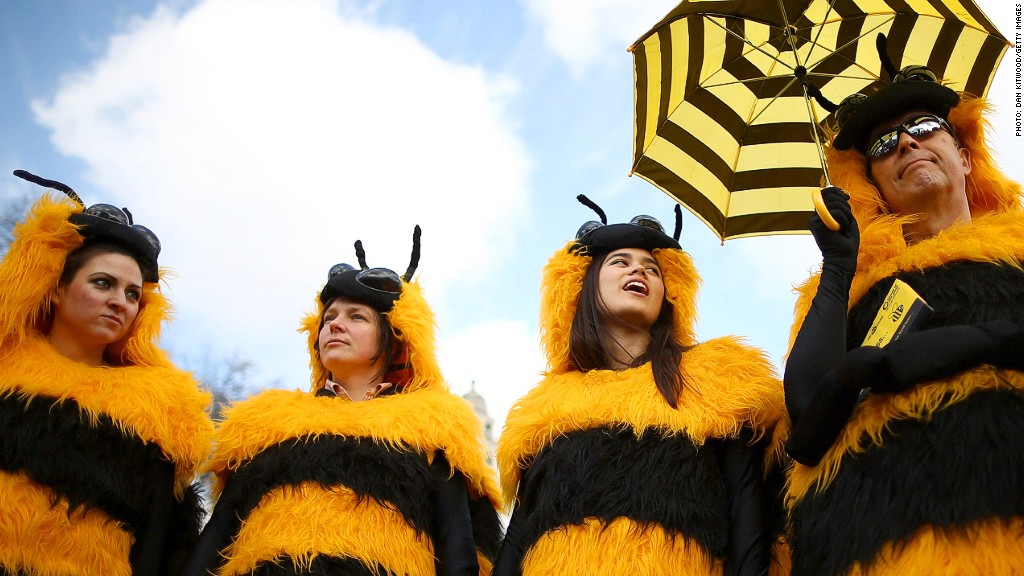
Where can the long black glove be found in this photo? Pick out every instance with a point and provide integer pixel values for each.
(205, 558)
(510, 556)
(936, 353)
(454, 546)
(750, 537)
(812, 400)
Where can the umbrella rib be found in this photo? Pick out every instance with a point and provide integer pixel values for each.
(748, 42)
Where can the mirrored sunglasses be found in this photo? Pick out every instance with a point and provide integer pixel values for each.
(642, 220)
(916, 127)
(378, 279)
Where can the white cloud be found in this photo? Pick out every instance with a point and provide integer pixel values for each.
(583, 32)
(260, 139)
(503, 358)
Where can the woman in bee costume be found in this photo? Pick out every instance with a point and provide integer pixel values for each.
(910, 457)
(100, 435)
(378, 470)
(642, 451)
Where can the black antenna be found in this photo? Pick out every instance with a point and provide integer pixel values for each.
(361, 255)
(590, 204)
(825, 103)
(24, 175)
(414, 260)
(679, 223)
(882, 45)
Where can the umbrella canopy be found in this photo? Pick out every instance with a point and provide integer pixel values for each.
(722, 122)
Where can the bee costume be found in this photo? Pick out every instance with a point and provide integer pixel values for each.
(910, 458)
(96, 463)
(310, 483)
(610, 479)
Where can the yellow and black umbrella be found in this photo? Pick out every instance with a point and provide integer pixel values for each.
(722, 118)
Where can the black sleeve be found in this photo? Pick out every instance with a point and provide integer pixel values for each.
(454, 546)
(147, 554)
(941, 352)
(510, 557)
(750, 533)
(205, 557)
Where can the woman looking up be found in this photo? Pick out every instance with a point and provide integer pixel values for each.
(642, 451)
(379, 469)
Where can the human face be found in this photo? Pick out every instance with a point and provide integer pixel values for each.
(631, 288)
(924, 175)
(349, 338)
(98, 306)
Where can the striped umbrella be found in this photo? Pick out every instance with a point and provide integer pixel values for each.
(722, 119)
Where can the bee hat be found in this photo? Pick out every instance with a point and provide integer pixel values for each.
(563, 275)
(401, 301)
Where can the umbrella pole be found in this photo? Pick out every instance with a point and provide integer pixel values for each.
(801, 72)
(819, 203)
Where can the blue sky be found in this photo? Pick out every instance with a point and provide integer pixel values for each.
(260, 139)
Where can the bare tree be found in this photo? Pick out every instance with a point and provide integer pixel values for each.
(12, 210)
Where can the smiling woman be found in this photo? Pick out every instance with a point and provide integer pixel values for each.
(642, 451)
(100, 436)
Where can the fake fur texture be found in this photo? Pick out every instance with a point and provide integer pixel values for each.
(969, 533)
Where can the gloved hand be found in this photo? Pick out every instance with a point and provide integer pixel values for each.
(865, 367)
(838, 249)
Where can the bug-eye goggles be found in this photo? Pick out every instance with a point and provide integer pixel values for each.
(378, 287)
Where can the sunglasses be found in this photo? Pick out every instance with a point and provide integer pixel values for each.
(917, 128)
(378, 279)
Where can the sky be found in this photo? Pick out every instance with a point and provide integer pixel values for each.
(260, 138)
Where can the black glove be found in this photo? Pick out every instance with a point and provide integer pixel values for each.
(838, 249)
(945, 351)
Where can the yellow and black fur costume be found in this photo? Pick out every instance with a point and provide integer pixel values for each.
(312, 484)
(95, 462)
(606, 476)
(927, 480)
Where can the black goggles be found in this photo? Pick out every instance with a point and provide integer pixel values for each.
(377, 279)
(642, 220)
(917, 128)
(112, 213)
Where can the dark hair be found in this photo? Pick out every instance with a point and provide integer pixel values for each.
(590, 350)
(385, 347)
(78, 257)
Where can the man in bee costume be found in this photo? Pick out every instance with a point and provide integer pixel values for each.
(910, 457)
(612, 474)
(317, 483)
(96, 461)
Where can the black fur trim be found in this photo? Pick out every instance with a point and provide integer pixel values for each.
(609, 473)
(321, 566)
(959, 292)
(965, 464)
(88, 466)
(396, 480)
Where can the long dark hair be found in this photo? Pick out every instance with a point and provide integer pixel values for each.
(590, 349)
(386, 347)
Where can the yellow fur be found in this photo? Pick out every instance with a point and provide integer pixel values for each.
(980, 549)
(872, 417)
(301, 522)
(412, 322)
(620, 548)
(40, 536)
(426, 420)
(727, 385)
(161, 405)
